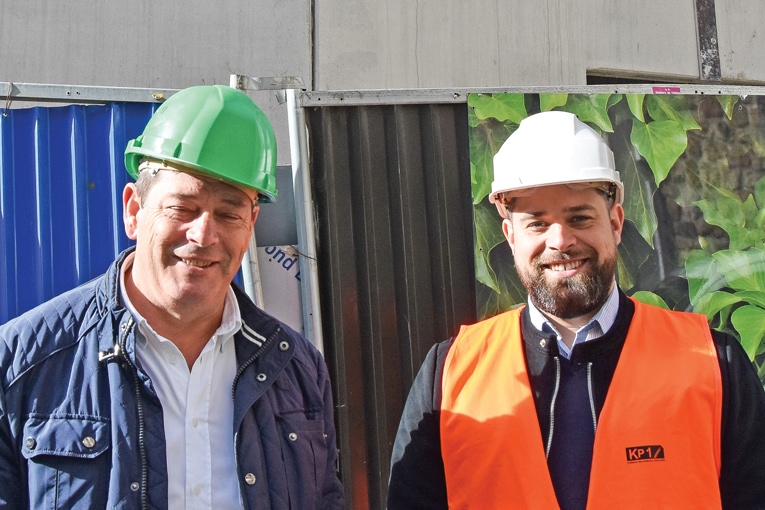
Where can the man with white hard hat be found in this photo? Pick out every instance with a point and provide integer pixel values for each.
(583, 398)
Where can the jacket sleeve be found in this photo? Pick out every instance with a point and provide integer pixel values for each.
(742, 474)
(10, 479)
(417, 480)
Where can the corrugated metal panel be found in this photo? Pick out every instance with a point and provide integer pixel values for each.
(61, 180)
(392, 192)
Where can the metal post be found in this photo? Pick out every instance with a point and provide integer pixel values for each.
(309, 281)
(250, 268)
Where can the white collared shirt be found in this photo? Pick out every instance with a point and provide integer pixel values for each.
(595, 327)
(198, 410)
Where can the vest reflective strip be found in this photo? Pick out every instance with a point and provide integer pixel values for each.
(657, 443)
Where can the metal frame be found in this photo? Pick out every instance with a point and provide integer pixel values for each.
(460, 95)
(288, 87)
(48, 93)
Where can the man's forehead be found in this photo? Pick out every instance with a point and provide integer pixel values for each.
(184, 178)
(557, 198)
(537, 210)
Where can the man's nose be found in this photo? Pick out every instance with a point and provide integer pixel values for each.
(560, 237)
(203, 230)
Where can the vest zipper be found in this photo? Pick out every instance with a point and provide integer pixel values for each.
(592, 400)
(552, 406)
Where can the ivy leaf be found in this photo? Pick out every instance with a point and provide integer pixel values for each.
(473, 119)
(633, 252)
(661, 143)
(743, 270)
(713, 303)
(638, 186)
(591, 108)
(488, 234)
(749, 321)
(510, 294)
(620, 113)
(548, 102)
(724, 211)
(650, 298)
(485, 140)
(612, 100)
(752, 297)
(728, 103)
(702, 274)
(671, 107)
(503, 107)
(759, 193)
(635, 102)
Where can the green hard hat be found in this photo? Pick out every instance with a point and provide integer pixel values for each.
(215, 130)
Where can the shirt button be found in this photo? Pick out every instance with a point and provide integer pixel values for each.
(249, 479)
(292, 436)
(89, 442)
(173, 360)
(31, 443)
(262, 377)
(197, 490)
(194, 423)
(543, 342)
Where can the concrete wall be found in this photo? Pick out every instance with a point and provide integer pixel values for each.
(448, 43)
(369, 44)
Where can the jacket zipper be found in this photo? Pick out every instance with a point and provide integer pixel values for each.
(552, 406)
(126, 328)
(242, 368)
(592, 399)
(249, 362)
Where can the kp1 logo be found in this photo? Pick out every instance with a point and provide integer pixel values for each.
(650, 453)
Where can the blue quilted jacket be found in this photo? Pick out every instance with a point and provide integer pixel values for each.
(81, 425)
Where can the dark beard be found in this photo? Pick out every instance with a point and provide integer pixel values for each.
(575, 296)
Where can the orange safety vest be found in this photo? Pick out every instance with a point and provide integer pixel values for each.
(657, 444)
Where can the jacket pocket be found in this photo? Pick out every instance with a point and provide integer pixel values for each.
(66, 464)
(304, 447)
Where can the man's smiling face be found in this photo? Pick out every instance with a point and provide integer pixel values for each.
(191, 234)
(565, 245)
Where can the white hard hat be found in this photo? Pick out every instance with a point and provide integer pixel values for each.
(552, 148)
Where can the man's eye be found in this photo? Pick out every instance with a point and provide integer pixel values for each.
(231, 216)
(179, 211)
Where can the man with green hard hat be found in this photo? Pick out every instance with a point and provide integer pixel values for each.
(160, 384)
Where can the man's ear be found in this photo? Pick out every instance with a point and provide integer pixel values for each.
(617, 221)
(507, 229)
(131, 204)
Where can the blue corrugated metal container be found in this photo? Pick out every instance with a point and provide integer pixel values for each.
(61, 180)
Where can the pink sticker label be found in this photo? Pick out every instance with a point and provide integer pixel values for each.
(666, 90)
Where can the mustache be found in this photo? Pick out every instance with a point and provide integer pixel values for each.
(544, 260)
